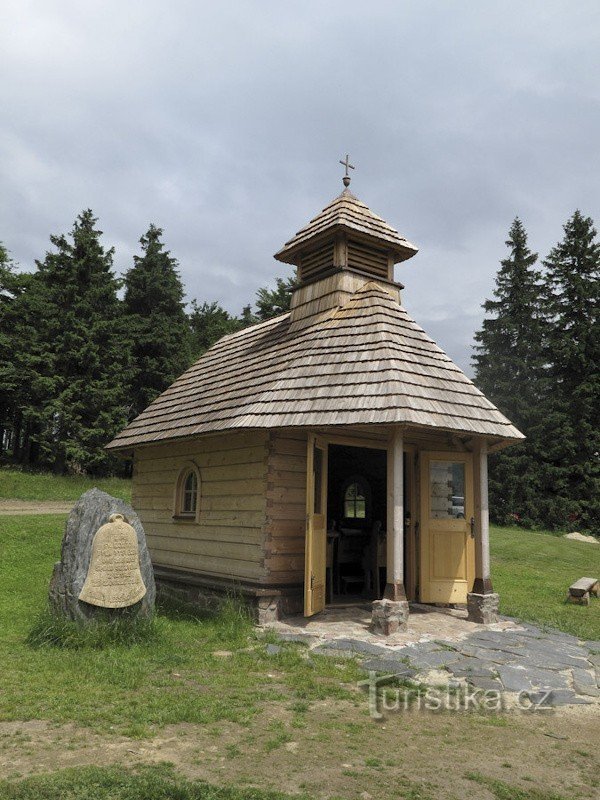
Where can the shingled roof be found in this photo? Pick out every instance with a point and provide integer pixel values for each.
(347, 212)
(366, 362)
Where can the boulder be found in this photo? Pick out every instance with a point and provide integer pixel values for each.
(90, 513)
(581, 537)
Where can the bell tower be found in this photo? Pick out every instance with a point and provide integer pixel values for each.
(341, 249)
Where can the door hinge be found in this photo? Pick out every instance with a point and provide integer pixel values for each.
(312, 580)
(472, 527)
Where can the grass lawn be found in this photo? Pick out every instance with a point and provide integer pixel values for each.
(160, 783)
(196, 671)
(116, 783)
(206, 696)
(211, 669)
(19, 485)
(532, 573)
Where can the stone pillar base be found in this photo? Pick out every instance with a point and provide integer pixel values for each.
(389, 616)
(267, 610)
(483, 608)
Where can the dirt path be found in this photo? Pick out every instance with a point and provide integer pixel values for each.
(335, 749)
(15, 508)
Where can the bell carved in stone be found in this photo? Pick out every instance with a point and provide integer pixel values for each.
(114, 579)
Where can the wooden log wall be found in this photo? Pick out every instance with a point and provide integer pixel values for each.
(251, 525)
(227, 540)
(315, 301)
(285, 525)
(286, 507)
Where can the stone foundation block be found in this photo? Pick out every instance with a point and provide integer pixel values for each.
(267, 610)
(483, 608)
(389, 616)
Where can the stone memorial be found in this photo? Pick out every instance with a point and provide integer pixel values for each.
(105, 567)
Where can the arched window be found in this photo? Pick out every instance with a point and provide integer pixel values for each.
(190, 493)
(357, 496)
(187, 493)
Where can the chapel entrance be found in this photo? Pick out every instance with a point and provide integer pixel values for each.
(356, 524)
(346, 543)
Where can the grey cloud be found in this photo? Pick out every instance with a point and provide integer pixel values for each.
(223, 123)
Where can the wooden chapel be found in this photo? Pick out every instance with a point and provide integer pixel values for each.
(333, 454)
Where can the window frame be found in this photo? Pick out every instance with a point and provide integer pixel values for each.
(179, 513)
(365, 490)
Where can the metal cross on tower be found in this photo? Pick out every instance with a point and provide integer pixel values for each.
(347, 165)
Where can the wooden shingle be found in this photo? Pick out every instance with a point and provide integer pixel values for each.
(347, 213)
(364, 363)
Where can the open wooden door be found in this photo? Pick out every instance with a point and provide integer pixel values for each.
(447, 527)
(316, 526)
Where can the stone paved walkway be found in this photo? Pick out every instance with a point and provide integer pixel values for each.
(442, 645)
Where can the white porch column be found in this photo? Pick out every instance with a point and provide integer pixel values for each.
(482, 602)
(394, 589)
(483, 582)
(391, 613)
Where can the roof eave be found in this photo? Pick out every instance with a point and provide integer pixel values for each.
(290, 253)
(496, 442)
(121, 450)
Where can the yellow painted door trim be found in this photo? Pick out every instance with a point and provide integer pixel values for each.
(447, 558)
(316, 526)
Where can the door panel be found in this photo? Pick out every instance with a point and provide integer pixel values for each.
(316, 526)
(447, 545)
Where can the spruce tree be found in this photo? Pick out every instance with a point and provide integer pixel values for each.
(25, 366)
(81, 337)
(272, 302)
(572, 426)
(210, 321)
(10, 287)
(509, 370)
(6, 274)
(156, 322)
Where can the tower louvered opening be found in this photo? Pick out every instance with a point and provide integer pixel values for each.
(314, 263)
(368, 259)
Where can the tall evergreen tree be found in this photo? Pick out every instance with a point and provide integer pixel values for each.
(25, 367)
(572, 428)
(209, 322)
(509, 369)
(6, 273)
(156, 322)
(82, 344)
(272, 302)
(9, 290)
(246, 318)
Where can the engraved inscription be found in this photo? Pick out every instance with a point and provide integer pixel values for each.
(114, 579)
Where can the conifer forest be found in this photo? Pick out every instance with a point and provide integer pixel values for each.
(83, 351)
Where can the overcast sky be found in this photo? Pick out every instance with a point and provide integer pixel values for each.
(223, 123)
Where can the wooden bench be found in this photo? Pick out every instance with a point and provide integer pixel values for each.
(580, 591)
